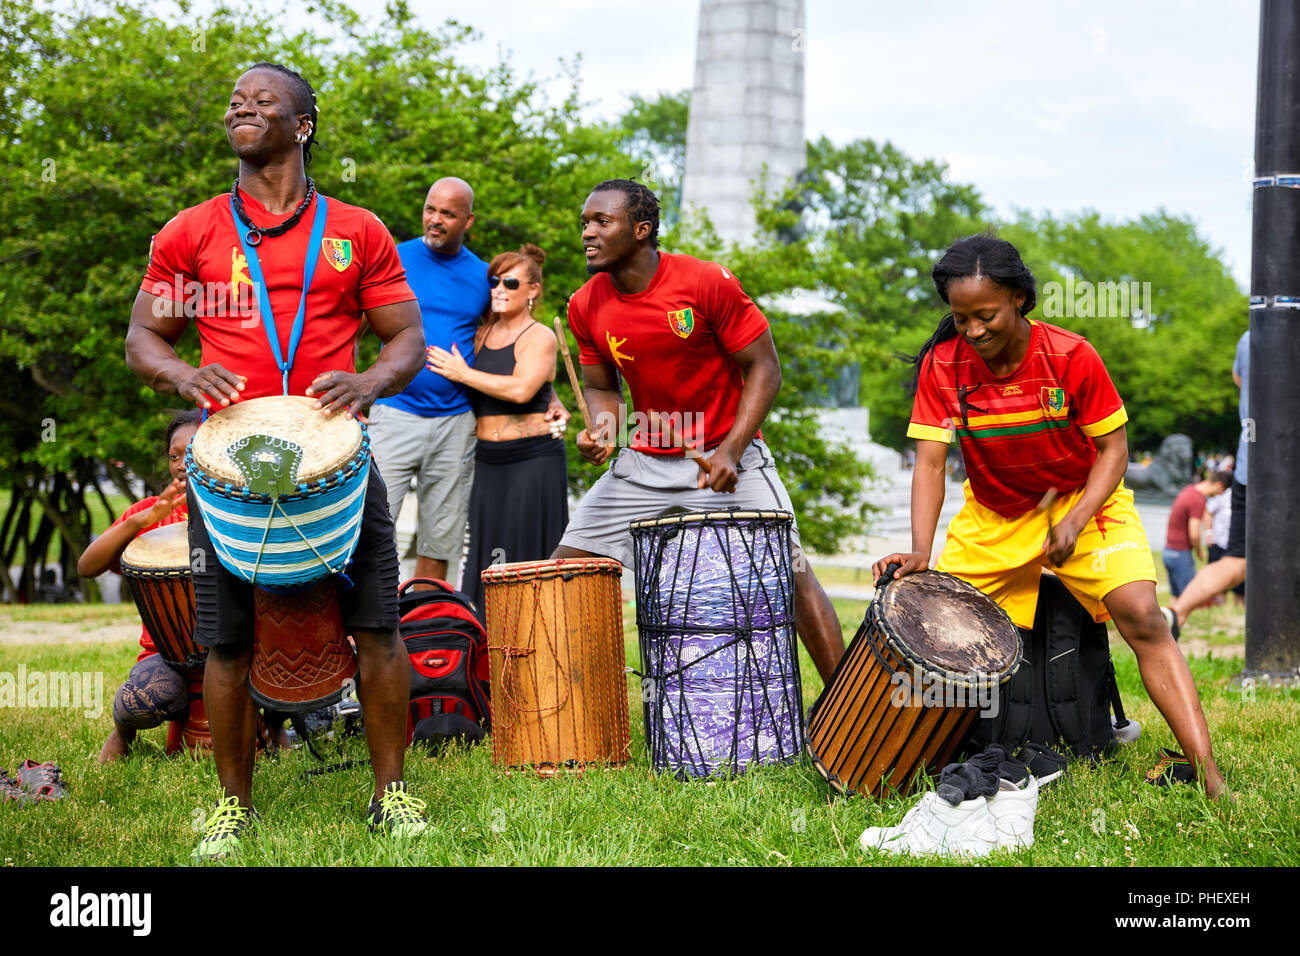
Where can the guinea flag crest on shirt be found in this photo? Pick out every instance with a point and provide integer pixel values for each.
(682, 322)
(1054, 401)
(338, 252)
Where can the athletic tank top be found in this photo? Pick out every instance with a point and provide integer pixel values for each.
(502, 362)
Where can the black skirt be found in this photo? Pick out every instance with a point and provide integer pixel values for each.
(518, 507)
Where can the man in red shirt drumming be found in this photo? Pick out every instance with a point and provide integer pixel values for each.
(694, 347)
(197, 269)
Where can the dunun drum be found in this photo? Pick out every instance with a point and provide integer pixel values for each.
(715, 612)
(157, 563)
(282, 492)
(555, 647)
(931, 653)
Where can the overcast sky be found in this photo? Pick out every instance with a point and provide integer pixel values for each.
(1122, 107)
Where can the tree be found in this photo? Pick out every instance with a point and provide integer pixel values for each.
(1169, 348)
(112, 124)
(654, 131)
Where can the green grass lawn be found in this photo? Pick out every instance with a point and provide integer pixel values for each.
(144, 811)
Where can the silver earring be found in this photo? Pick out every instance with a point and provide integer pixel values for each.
(530, 305)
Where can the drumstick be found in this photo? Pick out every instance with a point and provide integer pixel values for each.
(563, 345)
(1045, 505)
(679, 441)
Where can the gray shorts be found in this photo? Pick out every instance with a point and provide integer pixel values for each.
(641, 486)
(439, 454)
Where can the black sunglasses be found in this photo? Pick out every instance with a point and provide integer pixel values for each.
(510, 282)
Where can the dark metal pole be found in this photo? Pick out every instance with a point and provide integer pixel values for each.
(1273, 464)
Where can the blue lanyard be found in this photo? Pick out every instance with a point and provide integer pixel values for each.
(264, 299)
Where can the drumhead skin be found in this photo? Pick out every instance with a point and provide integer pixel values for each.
(162, 549)
(697, 517)
(949, 627)
(326, 443)
(541, 570)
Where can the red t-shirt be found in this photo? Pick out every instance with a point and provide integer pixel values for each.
(673, 344)
(197, 258)
(1028, 431)
(144, 504)
(1189, 504)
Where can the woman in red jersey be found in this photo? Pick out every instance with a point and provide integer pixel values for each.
(1034, 409)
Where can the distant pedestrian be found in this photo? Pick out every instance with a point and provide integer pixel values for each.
(1183, 544)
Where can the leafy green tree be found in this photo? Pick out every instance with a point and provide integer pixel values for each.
(1170, 350)
(654, 132)
(112, 124)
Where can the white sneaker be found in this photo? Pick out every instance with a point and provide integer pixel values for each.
(936, 826)
(1012, 809)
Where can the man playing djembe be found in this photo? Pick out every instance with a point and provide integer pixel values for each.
(270, 124)
(692, 345)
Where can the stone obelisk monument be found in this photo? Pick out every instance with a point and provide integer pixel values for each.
(746, 119)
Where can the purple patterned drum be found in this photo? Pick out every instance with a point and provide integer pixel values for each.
(715, 612)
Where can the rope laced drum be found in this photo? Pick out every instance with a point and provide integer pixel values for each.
(931, 653)
(281, 488)
(157, 563)
(282, 491)
(715, 612)
(555, 648)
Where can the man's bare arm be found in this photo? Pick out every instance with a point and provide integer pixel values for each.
(762, 371)
(156, 326)
(603, 390)
(401, 330)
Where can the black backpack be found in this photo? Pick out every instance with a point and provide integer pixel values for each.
(447, 647)
(1062, 695)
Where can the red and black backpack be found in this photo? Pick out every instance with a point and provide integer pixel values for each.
(447, 647)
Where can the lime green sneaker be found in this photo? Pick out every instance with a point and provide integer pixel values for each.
(397, 812)
(224, 831)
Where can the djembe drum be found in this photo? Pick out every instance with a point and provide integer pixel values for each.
(555, 647)
(715, 613)
(282, 490)
(157, 563)
(932, 652)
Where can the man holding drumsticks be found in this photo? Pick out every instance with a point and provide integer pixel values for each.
(270, 124)
(695, 348)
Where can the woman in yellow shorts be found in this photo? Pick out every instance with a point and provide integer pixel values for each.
(1034, 409)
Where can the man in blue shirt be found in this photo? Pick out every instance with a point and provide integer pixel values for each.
(1229, 570)
(426, 432)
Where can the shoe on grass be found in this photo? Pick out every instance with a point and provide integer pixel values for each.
(397, 813)
(1172, 768)
(1013, 808)
(224, 832)
(44, 781)
(936, 826)
(1171, 619)
(10, 792)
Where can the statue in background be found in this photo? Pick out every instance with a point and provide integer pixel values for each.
(1170, 471)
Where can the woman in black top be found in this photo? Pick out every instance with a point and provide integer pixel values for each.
(519, 503)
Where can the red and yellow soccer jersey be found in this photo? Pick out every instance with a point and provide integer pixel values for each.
(1027, 432)
(144, 504)
(673, 344)
(196, 258)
